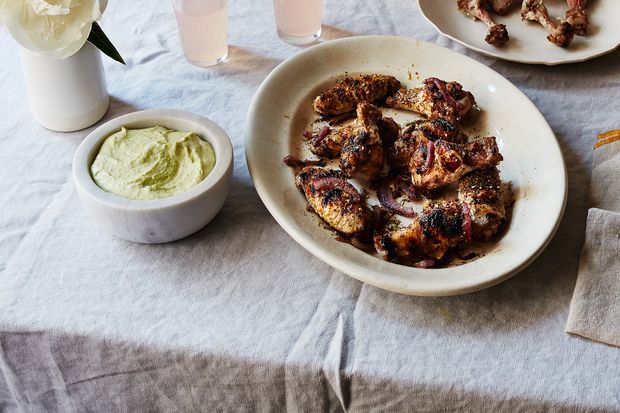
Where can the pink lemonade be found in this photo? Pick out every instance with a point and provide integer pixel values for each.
(203, 30)
(298, 21)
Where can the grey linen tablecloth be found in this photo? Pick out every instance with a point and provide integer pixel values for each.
(239, 317)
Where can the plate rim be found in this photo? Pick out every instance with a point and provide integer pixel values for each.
(507, 58)
(351, 268)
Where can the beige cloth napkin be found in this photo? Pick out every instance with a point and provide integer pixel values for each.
(595, 307)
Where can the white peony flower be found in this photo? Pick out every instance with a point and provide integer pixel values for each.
(55, 28)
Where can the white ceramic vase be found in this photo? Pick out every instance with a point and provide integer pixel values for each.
(66, 94)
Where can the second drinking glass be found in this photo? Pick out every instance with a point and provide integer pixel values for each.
(203, 30)
(298, 21)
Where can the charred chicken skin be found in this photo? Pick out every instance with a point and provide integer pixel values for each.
(362, 153)
(442, 128)
(439, 163)
(481, 192)
(436, 98)
(497, 34)
(334, 199)
(432, 234)
(577, 16)
(559, 34)
(352, 90)
(439, 128)
(479, 214)
(426, 155)
(327, 142)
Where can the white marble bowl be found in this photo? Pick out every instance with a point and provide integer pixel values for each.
(158, 220)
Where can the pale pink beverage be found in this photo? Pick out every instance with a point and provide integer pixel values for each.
(203, 30)
(298, 21)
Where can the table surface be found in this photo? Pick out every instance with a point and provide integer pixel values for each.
(239, 315)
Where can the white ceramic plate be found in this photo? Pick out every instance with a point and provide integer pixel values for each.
(528, 41)
(281, 110)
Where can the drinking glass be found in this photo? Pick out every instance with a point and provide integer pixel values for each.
(203, 30)
(298, 21)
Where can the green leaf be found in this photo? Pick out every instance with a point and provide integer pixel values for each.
(98, 38)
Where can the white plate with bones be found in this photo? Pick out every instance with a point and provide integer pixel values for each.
(282, 111)
(528, 39)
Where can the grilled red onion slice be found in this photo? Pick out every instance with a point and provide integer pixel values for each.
(324, 132)
(386, 197)
(294, 162)
(357, 241)
(330, 182)
(407, 187)
(322, 135)
(360, 244)
(424, 264)
(467, 222)
(430, 155)
(444, 92)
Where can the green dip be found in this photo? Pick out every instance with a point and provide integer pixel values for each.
(152, 163)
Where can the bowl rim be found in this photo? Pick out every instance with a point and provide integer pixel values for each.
(209, 131)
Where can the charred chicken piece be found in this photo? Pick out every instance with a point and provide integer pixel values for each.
(501, 7)
(403, 149)
(477, 9)
(442, 128)
(479, 214)
(439, 128)
(482, 196)
(559, 34)
(352, 90)
(334, 199)
(389, 130)
(577, 16)
(327, 142)
(439, 228)
(362, 153)
(439, 163)
(436, 98)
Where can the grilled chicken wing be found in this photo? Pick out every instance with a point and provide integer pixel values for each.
(439, 128)
(577, 16)
(334, 199)
(559, 34)
(369, 115)
(479, 214)
(442, 128)
(481, 192)
(350, 91)
(362, 153)
(477, 9)
(436, 98)
(439, 163)
(438, 229)
(327, 141)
